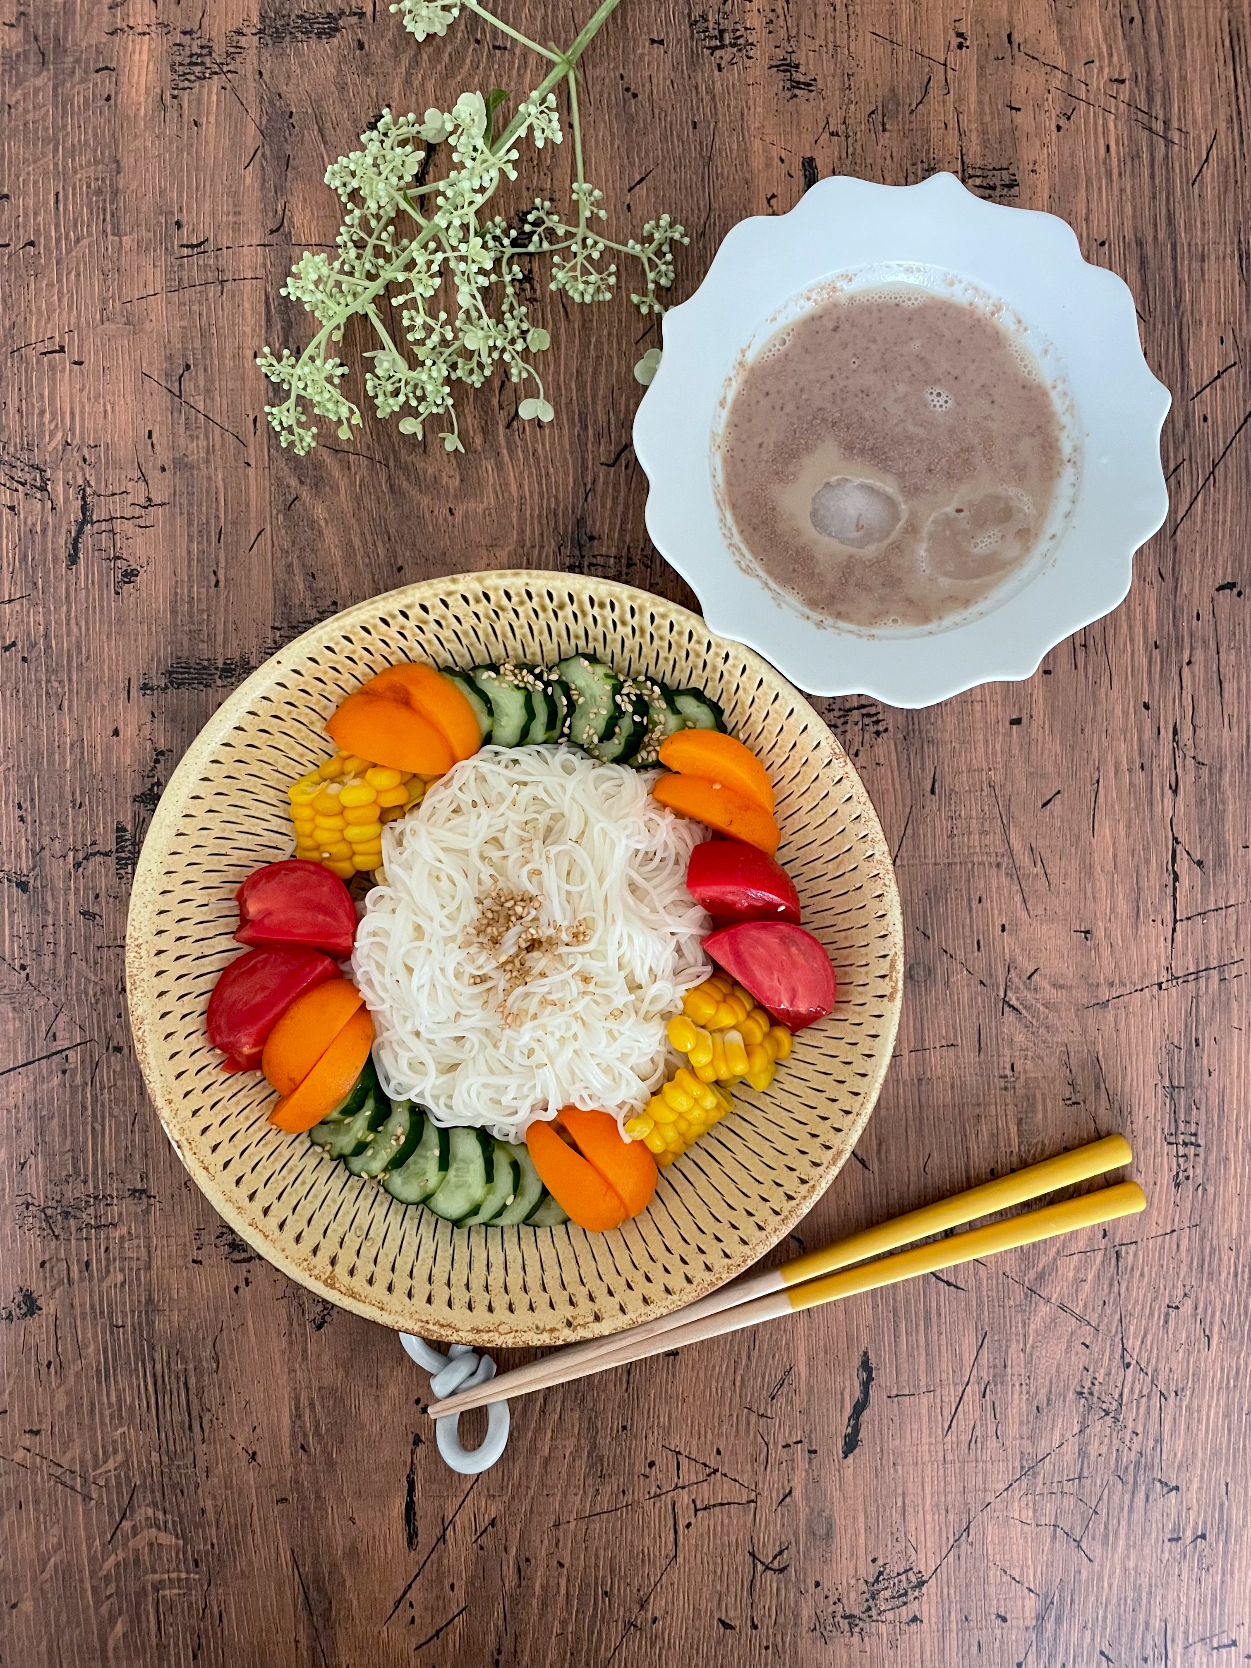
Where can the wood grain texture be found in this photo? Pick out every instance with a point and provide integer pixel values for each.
(1043, 1461)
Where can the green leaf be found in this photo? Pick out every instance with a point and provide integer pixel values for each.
(538, 341)
(528, 409)
(494, 99)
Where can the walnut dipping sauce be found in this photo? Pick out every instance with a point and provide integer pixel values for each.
(891, 457)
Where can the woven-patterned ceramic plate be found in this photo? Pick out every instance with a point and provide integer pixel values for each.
(738, 1190)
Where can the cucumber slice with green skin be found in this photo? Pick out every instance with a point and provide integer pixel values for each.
(562, 708)
(631, 731)
(426, 1170)
(546, 1214)
(470, 1172)
(393, 1142)
(512, 711)
(529, 1189)
(502, 1191)
(346, 1137)
(481, 708)
(663, 720)
(701, 712)
(543, 707)
(594, 688)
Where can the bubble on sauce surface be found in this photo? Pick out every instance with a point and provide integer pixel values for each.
(938, 399)
(971, 541)
(858, 514)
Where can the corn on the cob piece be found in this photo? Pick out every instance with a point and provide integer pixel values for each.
(678, 1115)
(338, 811)
(747, 1051)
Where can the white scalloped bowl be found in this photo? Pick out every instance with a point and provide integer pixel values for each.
(1079, 322)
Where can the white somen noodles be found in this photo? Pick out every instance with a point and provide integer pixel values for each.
(471, 1023)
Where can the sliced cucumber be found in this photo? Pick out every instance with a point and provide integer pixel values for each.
(393, 1141)
(546, 1214)
(594, 688)
(701, 712)
(481, 707)
(502, 1191)
(663, 721)
(562, 707)
(543, 707)
(470, 1172)
(345, 1137)
(529, 1189)
(426, 1170)
(631, 731)
(511, 708)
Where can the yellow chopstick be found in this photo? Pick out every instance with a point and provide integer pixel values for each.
(1016, 1188)
(1088, 1210)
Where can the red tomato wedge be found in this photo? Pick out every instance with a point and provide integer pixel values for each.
(783, 966)
(737, 882)
(297, 903)
(251, 995)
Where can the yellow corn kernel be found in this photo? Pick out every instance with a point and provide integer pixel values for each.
(371, 853)
(305, 790)
(735, 1053)
(309, 854)
(358, 793)
(390, 813)
(636, 1128)
(655, 1143)
(659, 1109)
(363, 834)
(365, 862)
(337, 851)
(382, 776)
(327, 802)
(359, 815)
(720, 1069)
(699, 1004)
(760, 1078)
(782, 1041)
(328, 769)
(730, 1011)
(393, 796)
(755, 1027)
(677, 1098)
(345, 870)
(682, 1034)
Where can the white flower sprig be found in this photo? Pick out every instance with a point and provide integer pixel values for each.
(440, 284)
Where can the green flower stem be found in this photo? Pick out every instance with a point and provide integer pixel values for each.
(565, 62)
(507, 29)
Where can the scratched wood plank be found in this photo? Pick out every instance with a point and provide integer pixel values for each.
(1043, 1460)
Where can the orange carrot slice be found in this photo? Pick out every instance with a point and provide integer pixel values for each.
(627, 1166)
(435, 697)
(576, 1186)
(330, 1079)
(719, 758)
(306, 1031)
(390, 733)
(718, 808)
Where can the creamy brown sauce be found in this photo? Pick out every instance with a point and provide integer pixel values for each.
(891, 457)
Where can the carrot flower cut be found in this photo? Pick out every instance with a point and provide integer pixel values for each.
(436, 698)
(391, 733)
(577, 1187)
(721, 759)
(719, 808)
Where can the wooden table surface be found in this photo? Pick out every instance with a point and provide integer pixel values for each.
(1042, 1461)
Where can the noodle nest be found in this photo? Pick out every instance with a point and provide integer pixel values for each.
(532, 938)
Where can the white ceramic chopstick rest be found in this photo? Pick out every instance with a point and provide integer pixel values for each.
(460, 1369)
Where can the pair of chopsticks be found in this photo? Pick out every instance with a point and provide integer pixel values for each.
(812, 1279)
